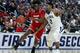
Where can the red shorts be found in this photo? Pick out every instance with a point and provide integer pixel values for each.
(39, 34)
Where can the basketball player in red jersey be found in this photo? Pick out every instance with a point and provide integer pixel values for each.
(37, 16)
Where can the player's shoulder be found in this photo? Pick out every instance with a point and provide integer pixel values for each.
(42, 10)
(32, 10)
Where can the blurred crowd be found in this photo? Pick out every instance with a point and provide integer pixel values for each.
(13, 14)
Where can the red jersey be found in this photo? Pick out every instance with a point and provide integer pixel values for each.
(3, 14)
(36, 15)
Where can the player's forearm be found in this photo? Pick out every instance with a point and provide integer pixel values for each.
(41, 27)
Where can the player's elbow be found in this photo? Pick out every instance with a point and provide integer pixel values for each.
(45, 22)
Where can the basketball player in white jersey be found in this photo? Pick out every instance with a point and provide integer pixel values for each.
(54, 20)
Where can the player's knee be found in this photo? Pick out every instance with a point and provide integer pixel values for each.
(36, 43)
(49, 45)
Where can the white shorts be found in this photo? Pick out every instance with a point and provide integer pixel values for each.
(53, 36)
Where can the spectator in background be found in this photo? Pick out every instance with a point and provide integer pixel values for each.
(1, 23)
(7, 25)
(12, 7)
(24, 27)
(73, 24)
(19, 28)
(20, 24)
(21, 9)
(21, 19)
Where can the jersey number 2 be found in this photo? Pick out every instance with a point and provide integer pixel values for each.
(51, 21)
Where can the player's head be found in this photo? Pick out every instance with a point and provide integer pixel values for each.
(35, 5)
(50, 6)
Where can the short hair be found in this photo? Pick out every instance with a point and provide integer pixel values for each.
(36, 2)
(50, 3)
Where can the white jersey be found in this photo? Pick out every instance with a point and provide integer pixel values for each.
(54, 21)
(55, 31)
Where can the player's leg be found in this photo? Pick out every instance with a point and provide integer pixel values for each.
(37, 40)
(30, 30)
(25, 35)
(57, 45)
(22, 39)
(52, 37)
(34, 47)
(57, 42)
(49, 45)
(49, 38)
